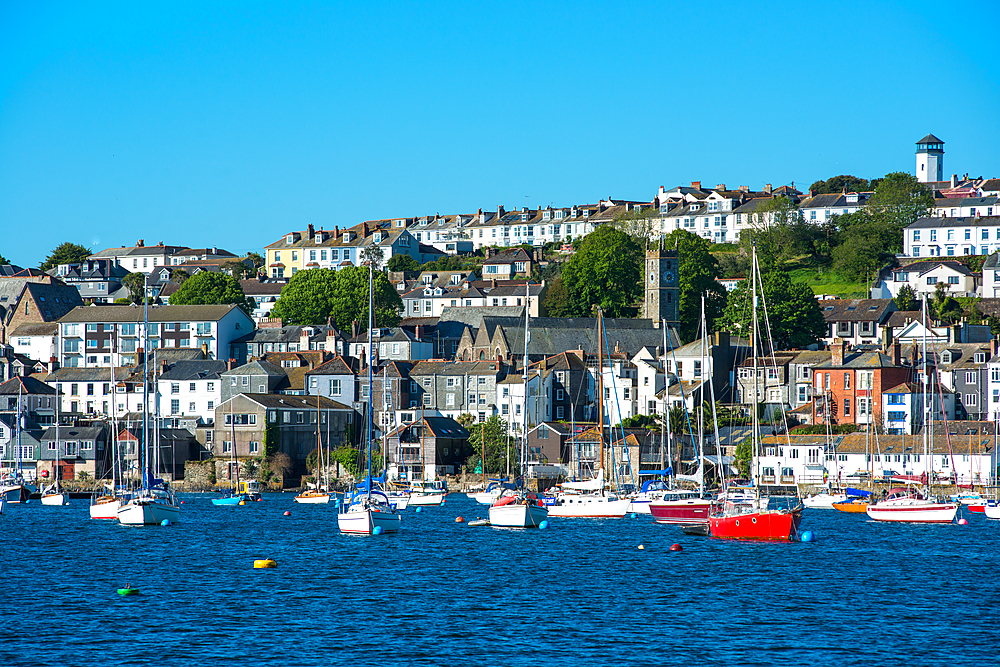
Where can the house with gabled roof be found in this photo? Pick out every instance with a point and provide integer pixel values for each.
(953, 236)
(428, 448)
(507, 264)
(848, 389)
(858, 321)
(924, 276)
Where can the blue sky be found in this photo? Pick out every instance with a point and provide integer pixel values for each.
(228, 124)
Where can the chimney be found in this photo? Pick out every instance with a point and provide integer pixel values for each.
(887, 337)
(354, 329)
(954, 180)
(419, 332)
(336, 231)
(164, 365)
(230, 363)
(722, 340)
(139, 244)
(994, 347)
(956, 333)
(838, 348)
(744, 188)
(500, 211)
(304, 339)
(767, 188)
(896, 353)
(310, 232)
(204, 350)
(720, 186)
(696, 185)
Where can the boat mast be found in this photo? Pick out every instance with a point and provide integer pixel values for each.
(145, 382)
(701, 412)
(928, 416)
(371, 324)
(527, 337)
(666, 404)
(754, 419)
(482, 444)
(58, 450)
(600, 389)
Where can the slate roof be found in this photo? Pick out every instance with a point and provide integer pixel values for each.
(134, 313)
(856, 310)
(206, 369)
(446, 427)
(456, 368)
(288, 402)
(36, 329)
(25, 386)
(967, 221)
(67, 374)
(920, 268)
(930, 139)
(863, 360)
(257, 367)
(336, 366)
(552, 335)
(472, 316)
(900, 318)
(509, 256)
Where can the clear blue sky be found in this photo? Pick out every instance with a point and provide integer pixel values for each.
(228, 124)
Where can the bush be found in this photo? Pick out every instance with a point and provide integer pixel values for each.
(820, 429)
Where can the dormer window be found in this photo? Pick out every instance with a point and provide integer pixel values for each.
(319, 238)
(946, 357)
(559, 214)
(852, 198)
(546, 215)
(400, 223)
(290, 238)
(572, 212)
(427, 279)
(524, 217)
(377, 237)
(980, 357)
(586, 212)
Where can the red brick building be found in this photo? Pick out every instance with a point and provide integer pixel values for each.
(848, 390)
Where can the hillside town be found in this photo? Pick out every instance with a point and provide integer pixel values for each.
(476, 326)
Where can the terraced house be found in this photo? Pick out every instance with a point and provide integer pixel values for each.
(102, 336)
(325, 249)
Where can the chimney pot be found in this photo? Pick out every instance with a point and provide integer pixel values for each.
(838, 348)
(696, 185)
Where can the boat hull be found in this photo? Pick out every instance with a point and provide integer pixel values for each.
(992, 511)
(364, 521)
(681, 512)
(851, 508)
(102, 508)
(147, 514)
(426, 499)
(485, 497)
(228, 501)
(15, 493)
(589, 507)
(772, 525)
(55, 499)
(313, 499)
(913, 512)
(824, 501)
(516, 515)
(399, 501)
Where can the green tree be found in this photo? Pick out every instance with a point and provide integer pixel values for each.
(447, 263)
(697, 273)
(499, 446)
(65, 253)
(772, 227)
(944, 308)
(208, 287)
(906, 299)
(238, 269)
(256, 260)
(4, 260)
(837, 184)
(373, 255)
(402, 263)
(795, 317)
(135, 283)
(556, 301)
(899, 200)
(179, 276)
(314, 295)
(743, 458)
(864, 247)
(637, 223)
(605, 271)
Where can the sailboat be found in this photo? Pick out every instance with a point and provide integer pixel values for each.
(517, 508)
(687, 507)
(234, 496)
(907, 504)
(13, 487)
(368, 511)
(154, 502)
(54, 495)
(320, 495)
(105, 505)
(589, 499)
(752, 521)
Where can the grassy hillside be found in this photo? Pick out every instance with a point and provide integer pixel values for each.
(827, 281)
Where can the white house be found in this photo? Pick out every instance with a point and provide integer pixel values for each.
(953, 236)
(924, 276)
(904, 406)
(191, 389)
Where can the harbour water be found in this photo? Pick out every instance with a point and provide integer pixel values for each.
(444, 593)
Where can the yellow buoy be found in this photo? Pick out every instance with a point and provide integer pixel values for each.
(243, 502)
(264, 564)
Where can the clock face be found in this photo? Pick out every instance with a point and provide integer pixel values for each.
(668, 276)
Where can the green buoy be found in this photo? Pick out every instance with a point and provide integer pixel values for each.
(128, 590)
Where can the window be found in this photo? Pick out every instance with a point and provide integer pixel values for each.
(971, 400)
(191, 407)
(970, 377)
(227, 446)
(847, 407)
(897, 416)
(952, 280)
(847, 380)
(175, 388)
(175, 406)
(895, 399)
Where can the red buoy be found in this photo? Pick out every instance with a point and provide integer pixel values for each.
(676, 547)
(287, 513)
(459, 519)
(963, 521)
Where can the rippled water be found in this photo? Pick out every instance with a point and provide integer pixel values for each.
(441, 593)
